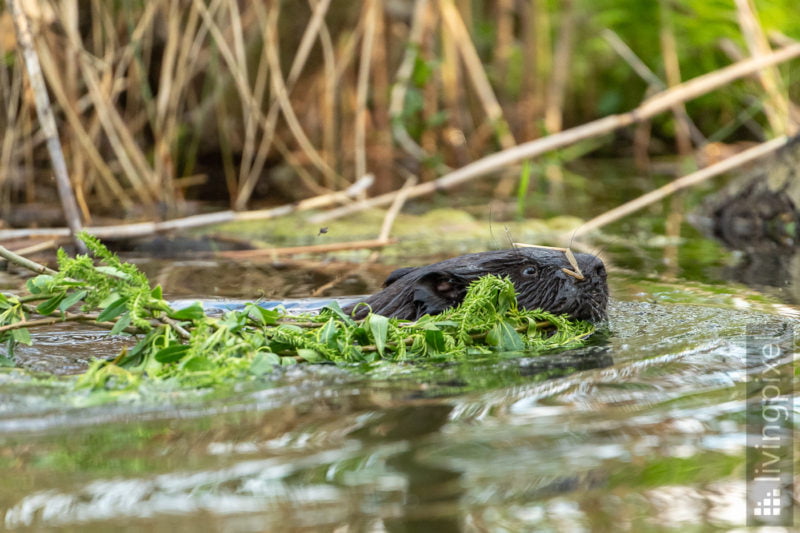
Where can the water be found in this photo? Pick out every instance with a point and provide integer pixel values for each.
(644, 430)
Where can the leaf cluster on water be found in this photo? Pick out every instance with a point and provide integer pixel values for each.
(192, 349)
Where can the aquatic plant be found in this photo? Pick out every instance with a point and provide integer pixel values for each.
(192, 348)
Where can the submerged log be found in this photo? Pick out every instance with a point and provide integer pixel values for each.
(759, 215)
(760, 210)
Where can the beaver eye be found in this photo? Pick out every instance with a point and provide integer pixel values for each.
(530, 271)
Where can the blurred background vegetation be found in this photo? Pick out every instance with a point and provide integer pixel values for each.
(246, 104)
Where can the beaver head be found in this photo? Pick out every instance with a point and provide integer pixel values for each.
(543, 279)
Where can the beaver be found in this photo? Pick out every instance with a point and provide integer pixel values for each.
(544, 278)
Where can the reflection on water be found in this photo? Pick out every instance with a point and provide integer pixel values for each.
(644, 429)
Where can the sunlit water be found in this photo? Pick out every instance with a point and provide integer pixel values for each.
(643, 430)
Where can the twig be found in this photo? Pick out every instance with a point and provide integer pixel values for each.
(639, 67)
(391, 214)
(66, 316)
(38, 247)
(652, 106)
(24, 262)
(644, 72)
(176, 326)
(22, 324)
(47, 121)
(90, 319)
(394, 210)
(680, 183)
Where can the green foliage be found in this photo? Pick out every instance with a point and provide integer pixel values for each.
(522, 188)
(192, 350)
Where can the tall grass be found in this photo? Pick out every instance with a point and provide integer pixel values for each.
(160, 101)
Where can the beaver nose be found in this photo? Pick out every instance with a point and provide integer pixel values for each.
(592, 267)
(599, 269)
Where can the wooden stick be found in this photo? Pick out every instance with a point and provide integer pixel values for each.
(311, 249)
(658, 103)
(680, 183)
(391, 215)
(45, 113)
(24, 262)
(647, 75)
(38, 247)
(47, 321)
(394, 210)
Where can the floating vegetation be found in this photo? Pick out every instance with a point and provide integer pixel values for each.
(191, 349)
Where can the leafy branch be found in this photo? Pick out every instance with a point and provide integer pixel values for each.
(192, 349)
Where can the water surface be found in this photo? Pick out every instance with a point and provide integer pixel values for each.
(644, 428)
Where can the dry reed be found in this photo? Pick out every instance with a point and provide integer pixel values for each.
(165, 100)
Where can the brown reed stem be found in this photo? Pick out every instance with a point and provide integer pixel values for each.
(48, 123)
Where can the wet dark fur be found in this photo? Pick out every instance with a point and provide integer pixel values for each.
(537, 274)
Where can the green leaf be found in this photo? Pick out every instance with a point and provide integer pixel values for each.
(171, 353)
(265, 317)
(22, 336)
(115, 272)
(197, 364)
(379, 327)
(504, 338)
(312, 356)
(328, 333)
(192, 312)
(72, 299)
(39, 284)
(336, 309)
(157, 292)
(113, 310)
(264, 362)
(108, 300)
(50, 305)
(434, 338)
(123, 322)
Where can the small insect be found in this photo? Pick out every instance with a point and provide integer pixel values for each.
(322, 230)
(576, 273)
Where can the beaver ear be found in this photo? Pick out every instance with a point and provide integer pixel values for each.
(397, 274)
(436, 291)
